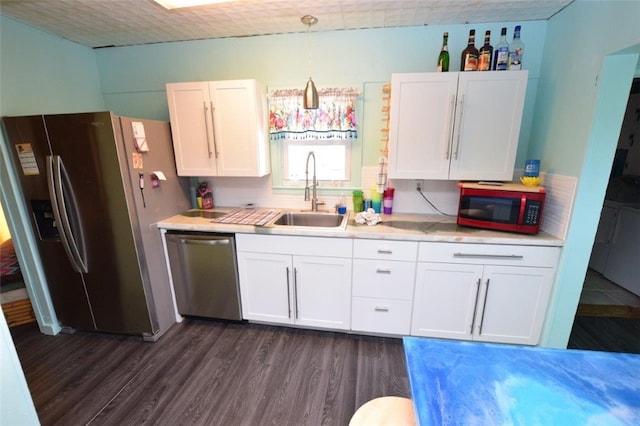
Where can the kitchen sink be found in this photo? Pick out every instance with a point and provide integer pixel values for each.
(309, 219)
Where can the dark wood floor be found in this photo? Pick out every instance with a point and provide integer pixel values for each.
(613, 334)
(205, 372)
(212, 373)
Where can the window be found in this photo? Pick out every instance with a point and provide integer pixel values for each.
(332, 160)
(329, 132)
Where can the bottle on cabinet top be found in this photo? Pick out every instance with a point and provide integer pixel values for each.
(486, 53)
(516, 51)
(443, 57)
(469, 57)
(501, 55)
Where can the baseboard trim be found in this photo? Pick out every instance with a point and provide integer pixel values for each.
(608, 311)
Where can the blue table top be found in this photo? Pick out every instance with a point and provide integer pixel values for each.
(468, 383)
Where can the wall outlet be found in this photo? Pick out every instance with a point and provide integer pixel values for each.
(419, 185)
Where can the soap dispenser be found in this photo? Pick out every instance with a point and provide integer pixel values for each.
(342, 207)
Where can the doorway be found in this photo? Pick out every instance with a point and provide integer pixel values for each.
(14, 298)
(607, 290)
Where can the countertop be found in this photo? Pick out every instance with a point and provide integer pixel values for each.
(397, 226)
(467, 383)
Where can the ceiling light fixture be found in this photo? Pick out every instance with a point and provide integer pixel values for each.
(310, 95)
(179, 4)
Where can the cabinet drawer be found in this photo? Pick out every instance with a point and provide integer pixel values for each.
(489, 254)
(381, 315)
(304, 246)
(384, 249)
(383, 278)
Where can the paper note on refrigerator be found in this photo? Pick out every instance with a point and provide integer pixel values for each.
(160, 175)
(136, 160)
(139, 136)
(27, 159)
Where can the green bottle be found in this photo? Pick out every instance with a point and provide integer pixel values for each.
(443, 57)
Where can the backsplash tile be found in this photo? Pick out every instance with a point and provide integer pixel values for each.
(237, 192)
(561, 192)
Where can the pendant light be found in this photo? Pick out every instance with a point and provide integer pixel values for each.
(310, 95)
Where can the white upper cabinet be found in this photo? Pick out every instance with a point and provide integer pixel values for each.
(219, 128)
(456, 125)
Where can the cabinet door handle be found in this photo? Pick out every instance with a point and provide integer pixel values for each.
(455, 154)
(213, 131)
(206, 127)
(452, 103)
(484, 305)
(288, 293)
(383, 271)
(385, 251)
(295, 289)
(489, 256)
(475, 305)
(381, 309)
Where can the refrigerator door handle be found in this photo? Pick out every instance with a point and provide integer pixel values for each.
(58, 179)
(56, 212)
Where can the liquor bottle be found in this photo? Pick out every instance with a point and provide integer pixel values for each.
(516, 51)
(443, 57)
(469, 57)
(486, 53)
(501, 56)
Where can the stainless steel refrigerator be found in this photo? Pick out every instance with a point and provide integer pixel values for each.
(81, 177)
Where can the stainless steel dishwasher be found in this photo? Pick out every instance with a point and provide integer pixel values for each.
(205, 274)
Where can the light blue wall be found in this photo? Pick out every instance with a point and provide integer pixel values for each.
(16, 405)
(584, 87)
(39, 74)
(133, 78)
(578, 39)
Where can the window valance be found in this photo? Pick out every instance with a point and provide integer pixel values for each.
(334, 119)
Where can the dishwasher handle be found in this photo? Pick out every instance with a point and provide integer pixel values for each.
(205, 242)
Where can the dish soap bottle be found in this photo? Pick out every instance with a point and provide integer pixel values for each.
(342, 207)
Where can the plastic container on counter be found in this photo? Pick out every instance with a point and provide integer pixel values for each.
(387, 202)
(358, 201)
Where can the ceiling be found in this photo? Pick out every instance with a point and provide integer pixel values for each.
(102, 23)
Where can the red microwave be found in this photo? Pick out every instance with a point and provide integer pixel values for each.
(502, 207)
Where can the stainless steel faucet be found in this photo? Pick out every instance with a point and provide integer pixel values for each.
(314, 183)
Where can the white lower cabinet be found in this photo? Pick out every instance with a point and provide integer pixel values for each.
(265, 286)
(483, 292)
(311, 288)
(383, 278)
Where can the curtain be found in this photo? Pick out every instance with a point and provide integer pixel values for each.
(334, 119)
